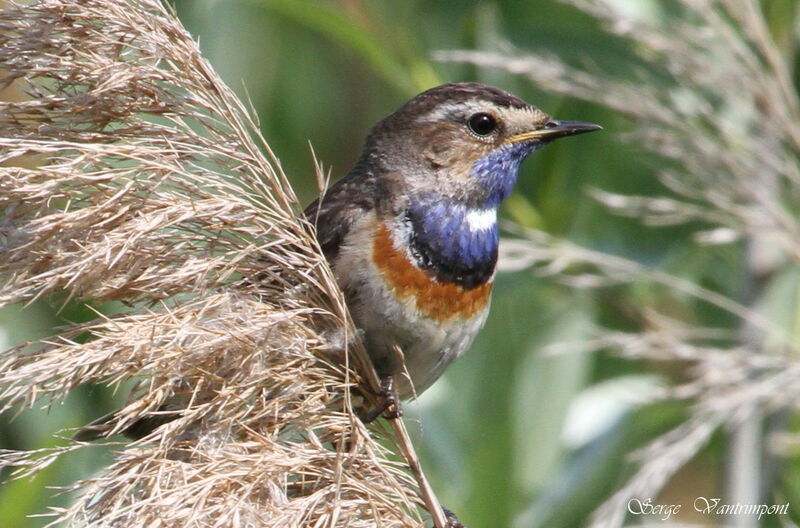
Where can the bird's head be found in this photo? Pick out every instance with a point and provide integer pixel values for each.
(464, 141)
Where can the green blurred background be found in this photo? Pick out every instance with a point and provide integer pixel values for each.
(509, 436)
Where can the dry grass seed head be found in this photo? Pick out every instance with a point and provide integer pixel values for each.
(131, 172)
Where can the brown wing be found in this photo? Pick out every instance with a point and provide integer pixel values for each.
(335, 212)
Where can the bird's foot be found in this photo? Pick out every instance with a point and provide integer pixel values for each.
(388, 405)
(452, 520)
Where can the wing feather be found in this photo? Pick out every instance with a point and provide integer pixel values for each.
(335, 212)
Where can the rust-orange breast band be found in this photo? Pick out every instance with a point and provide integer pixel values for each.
(441, 301)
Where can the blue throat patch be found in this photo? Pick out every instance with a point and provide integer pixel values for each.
(442, 240)
(442, 226)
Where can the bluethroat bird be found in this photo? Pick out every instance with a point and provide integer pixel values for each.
(411, 231)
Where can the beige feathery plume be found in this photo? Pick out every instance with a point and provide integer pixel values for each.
(150, 187)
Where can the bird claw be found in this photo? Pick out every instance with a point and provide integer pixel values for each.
(452, 520)
(389, 405)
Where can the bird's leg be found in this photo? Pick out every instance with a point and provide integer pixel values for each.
(388, 404)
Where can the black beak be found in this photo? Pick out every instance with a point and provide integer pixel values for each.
(556, 129)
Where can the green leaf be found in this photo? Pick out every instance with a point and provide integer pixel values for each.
(407, 76)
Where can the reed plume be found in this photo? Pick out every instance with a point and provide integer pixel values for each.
(130, 172)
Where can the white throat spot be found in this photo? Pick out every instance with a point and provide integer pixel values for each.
(481, 219)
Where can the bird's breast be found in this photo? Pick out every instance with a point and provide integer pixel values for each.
(442, 301)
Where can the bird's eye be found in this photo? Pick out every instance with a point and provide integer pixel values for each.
(482, 124)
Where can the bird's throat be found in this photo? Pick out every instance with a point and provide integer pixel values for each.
(496, 173)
